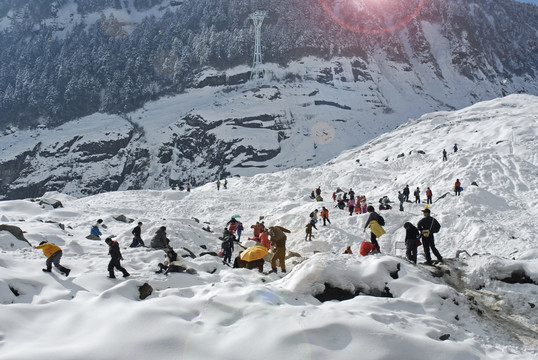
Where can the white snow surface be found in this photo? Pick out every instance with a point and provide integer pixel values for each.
(225, 313)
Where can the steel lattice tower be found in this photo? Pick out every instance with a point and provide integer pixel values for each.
(257, 69)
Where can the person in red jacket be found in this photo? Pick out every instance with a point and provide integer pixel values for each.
(429, 195)
(457, 187)
(264, 239)
(53, 254)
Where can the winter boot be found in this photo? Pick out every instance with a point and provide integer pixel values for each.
(47, 270)
(67, 271)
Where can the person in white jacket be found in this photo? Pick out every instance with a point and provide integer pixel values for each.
(172, 263)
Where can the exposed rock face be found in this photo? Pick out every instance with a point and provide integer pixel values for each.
(15, 231)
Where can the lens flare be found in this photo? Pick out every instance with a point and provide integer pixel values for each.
(322, 133)
(372, 16)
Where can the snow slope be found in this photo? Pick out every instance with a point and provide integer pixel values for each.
(229, 313)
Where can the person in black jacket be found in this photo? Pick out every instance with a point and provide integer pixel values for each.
(160, 241)
(115, 257)
(227, 245)
(137, 236)
(411, 241)
(406, 192)
(427, 227)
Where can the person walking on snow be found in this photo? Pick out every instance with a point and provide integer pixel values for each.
(53, 254)
(325, 215)
(427, 227)
(401, 199)
(278, 243)
(444, 155)
(429, 195)
(228, 239)
(406, 192)
(455, 147)
(308, 236)
(457, 187)
(239, 229)
(417, 195)
(137, 236)
(351, 205)
(314, 218)
(411, 241)
(375, 223)
(115, 258)
(218, 184)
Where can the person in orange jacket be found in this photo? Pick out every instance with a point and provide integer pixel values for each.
(54, 254)
(325, 215)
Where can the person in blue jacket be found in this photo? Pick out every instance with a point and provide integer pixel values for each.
(95, 228)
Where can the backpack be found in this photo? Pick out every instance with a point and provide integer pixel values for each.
(380, 220)
(434, 228)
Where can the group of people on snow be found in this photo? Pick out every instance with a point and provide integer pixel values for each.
(268, 239)
(274, 237)
(160, 241)
(425, 230)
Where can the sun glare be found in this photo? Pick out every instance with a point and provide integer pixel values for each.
(372, 16)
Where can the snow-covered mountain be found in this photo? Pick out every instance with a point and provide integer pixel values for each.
(480, 305)
(321, 78)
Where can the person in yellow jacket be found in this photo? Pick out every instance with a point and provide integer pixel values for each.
(375, 227)
(54, 254)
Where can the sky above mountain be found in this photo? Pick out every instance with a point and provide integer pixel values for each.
(464, 309)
